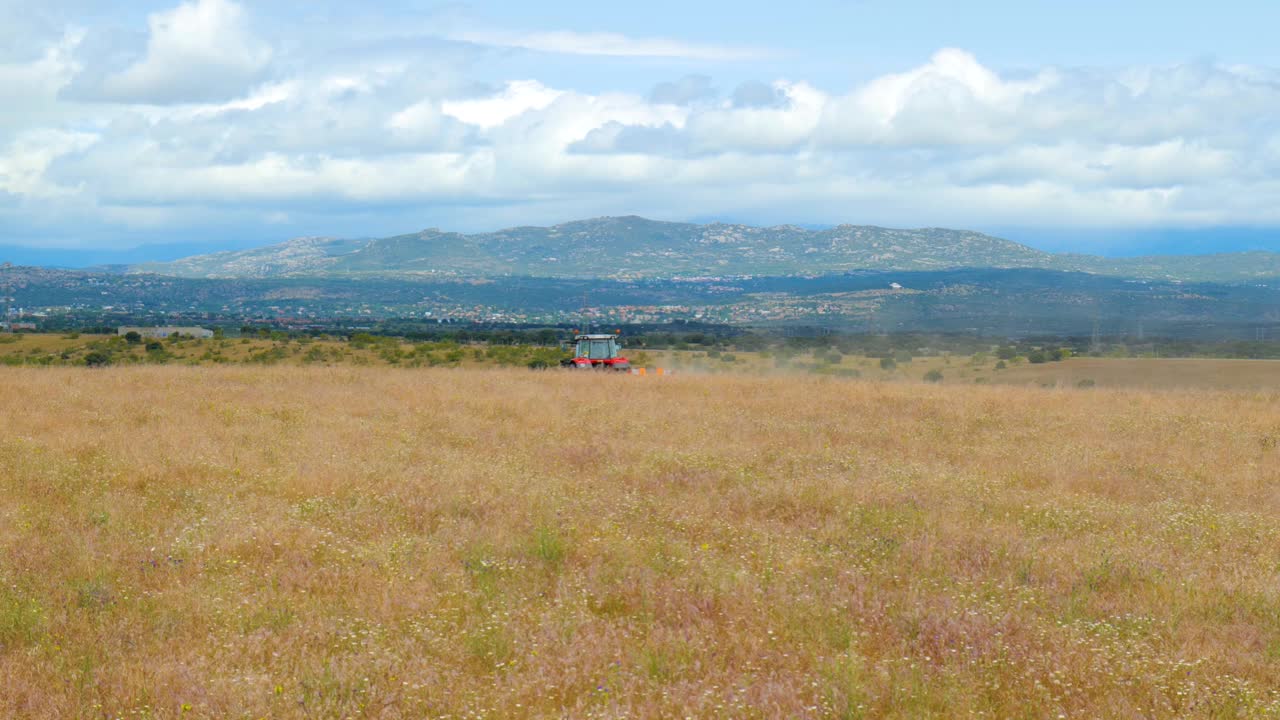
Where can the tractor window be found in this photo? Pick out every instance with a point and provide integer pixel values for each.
(600, 350)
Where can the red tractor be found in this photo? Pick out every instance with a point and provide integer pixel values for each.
(598, 352)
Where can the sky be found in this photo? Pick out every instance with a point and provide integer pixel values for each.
(134, 129)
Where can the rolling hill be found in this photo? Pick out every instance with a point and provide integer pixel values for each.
(637, 248)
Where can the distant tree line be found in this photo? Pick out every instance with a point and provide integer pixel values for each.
(898, 347)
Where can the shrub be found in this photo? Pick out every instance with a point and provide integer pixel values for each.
(887, 363)
(97, 358)
(933, 376)
(1035, 357)
(1000, 365)
(132, 337)
(1086, 383)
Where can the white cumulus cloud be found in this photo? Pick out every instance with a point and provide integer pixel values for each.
(518, 97)
(201, 50)
(606, 44)
(206, 120)
(23, 164)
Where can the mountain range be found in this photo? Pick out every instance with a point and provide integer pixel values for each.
(635, 248)
(636, 272)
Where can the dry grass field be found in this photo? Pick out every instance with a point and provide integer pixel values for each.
(254, 542)
(1162, 373)
(52, 350)
(1102, 372)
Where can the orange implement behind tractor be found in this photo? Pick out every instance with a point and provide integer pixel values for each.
(597, 352)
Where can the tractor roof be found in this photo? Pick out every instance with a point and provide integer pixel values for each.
(596, 337)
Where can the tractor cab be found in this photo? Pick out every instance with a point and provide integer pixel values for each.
(600, 351)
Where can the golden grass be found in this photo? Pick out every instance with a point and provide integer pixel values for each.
(363, 542)
(46, 349)
(1155, 373)
(1148, 373)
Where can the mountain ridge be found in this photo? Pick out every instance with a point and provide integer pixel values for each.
(633, 247)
